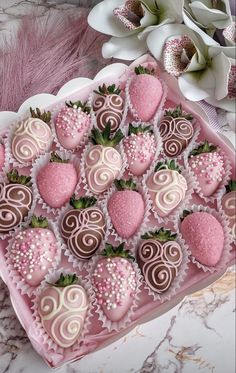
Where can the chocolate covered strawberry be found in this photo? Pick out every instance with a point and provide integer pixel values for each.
(56, 181)
(33, 250)
(159, 257)
(204, 235)
(145, 92)
(2, 156)
(126, 208)
(83, 227)
(207, 165)
(108, 107)
(62, 308)
(16, 199)
(103, 162)
(228, 204)
(32, 137)
(166, 187)
(72, 124)
(176, 131)
(140, 147)
(114, 282)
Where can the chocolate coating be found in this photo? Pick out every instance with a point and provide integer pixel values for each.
(109, 109)
(83, 231)
(15, 203)
(159, 263)
(176, 134)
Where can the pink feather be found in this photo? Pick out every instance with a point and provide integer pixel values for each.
(44, 55)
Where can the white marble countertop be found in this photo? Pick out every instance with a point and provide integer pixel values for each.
(198, 335)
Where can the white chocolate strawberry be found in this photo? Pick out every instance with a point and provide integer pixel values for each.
(33, 250)
(166, 187)
(140, 147)
(72, 124)
(208, 167)
(103, 162)
(62, 308)
(114, 282)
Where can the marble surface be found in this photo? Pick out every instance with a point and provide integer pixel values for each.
(198, 335)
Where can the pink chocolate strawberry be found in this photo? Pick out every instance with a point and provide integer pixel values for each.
(33, 250)
(2, 156)
(145, 93)
(204, 235)
(62, 308)
(126, 208)
(208, 167)
(228, 204)
(140, 149)
(57, 181)
(114, 282)
(108, 107)
(72, 124)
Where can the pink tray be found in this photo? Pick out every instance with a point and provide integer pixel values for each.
(148, 309)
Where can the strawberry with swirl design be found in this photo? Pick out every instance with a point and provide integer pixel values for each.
(103, 162)
(176, 131)
(62, 308)
(32, 137)
(159, 256)
(228, 204)
(108, 107)
(16, 199)
(83, 227)
(166, 187)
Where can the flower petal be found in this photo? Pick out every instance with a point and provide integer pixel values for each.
(221, 67)
(171, 9)
(209, 17)
(127, 48)
(196, 86)
(101, 18)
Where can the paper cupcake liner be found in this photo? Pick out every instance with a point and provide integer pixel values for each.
(106, 323)
(83, 179)
(225, 257)
(219, 208)
(43, 161)
(76, 262)
(176, 283)
(133, 239)
(42, 334)
(26, 218)
(158, 141)
(220, 190)
(124, 116)
(188, 196)
(193, 142)
(16, 278)
(84, 140)
(10, 135)
(160, 106)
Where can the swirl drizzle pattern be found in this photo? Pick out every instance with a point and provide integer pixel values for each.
(15, 203)
(229, 207)
(102, 166)
(159, 263)
(109, 109)
(32, 137)
(62, 312)
(83, 231)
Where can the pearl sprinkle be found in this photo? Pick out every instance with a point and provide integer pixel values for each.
(208, 165)
(140, 147)
(72, 121)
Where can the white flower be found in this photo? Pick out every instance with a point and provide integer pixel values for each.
(204, 72)
(130, 21)
(229, 33)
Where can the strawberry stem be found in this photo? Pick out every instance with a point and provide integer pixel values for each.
(108, 90)
(139, 70)
(119, 251)
(231, 187)
(204, 147)
(55, 158)
(82, 202)
(15, 178)
(185, 214)
(79, 104)
(104, 138)
(178, 113)
(125, 185)
(39, 222)
(139, 129)
(45, 116)
(65, 280)
(167, 165)
(162, 235)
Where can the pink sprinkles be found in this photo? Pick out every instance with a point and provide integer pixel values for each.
(115, 287)
(209, 165)
(72, 121)
(142, 150)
